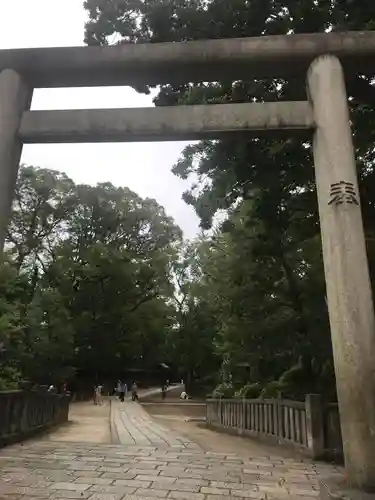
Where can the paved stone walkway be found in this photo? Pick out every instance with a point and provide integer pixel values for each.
(131, 424)
(150, 462)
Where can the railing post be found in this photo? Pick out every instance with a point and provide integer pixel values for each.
(25, 411)
(280, 425)
(314, 425)
(243, 423)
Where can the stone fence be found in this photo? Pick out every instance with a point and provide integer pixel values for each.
(308, 426)
(23, 413)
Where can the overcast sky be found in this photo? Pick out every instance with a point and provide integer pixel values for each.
(143, 167)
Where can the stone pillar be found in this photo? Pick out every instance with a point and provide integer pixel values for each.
(15, 98)
(350, 303)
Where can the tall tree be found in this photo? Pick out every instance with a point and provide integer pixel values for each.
(88, 283)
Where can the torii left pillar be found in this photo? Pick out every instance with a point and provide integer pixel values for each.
(15, 98)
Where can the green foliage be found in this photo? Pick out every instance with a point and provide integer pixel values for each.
(190, 342)
(273, 390)
(9, 379)
(249, 391)
(223, 390)
(86, 288)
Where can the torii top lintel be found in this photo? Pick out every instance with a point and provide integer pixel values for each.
(181, 62)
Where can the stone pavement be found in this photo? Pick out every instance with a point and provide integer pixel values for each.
(88, 423)
(131, 424)
(157, 464)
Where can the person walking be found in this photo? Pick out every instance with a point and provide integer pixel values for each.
(119, 390)
(134, 392)
(98, 394)
(123, 391)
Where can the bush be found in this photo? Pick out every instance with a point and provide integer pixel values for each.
(249, 391)
(9, 378)
(272, 389)
(224, 390)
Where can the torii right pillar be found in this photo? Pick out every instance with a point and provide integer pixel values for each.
(350, 302)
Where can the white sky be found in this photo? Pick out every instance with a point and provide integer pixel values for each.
(143, 167)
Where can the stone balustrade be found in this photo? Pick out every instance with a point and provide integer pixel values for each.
(23, 413)
(309, 426)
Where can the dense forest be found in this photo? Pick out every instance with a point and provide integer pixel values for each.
(96, 277)
(86, 285)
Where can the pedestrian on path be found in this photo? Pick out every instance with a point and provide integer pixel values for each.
(98, 395)
(120, 390)
(134, 392)
(123, 390)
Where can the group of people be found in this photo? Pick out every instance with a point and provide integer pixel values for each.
(63, 389)
(122, 391)
(164, 388)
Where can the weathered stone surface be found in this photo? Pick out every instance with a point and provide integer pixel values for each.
(70, 486)
(196, 61)
(106, 496)
(132, 482)
(177, 486)
(98, 488)
(151, 493)
(55, 470)
(182, 495)
(94, 480)
(15, 98)
(165, 123)
(214, 491)
(349, 291)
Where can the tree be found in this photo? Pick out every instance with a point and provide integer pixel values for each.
(88, 283)
(42, 203)
(12, 289)
(49, 339)
(190, 340)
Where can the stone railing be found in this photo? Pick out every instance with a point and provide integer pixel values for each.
(23, 413)
(302, 425)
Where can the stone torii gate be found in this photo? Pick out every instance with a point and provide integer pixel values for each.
(322, 57)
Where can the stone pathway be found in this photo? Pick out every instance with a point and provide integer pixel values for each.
(151, 462)
(88, 423)
(132, 425)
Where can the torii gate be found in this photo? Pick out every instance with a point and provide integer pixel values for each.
(320, 57)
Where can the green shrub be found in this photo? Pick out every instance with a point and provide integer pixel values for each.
(224, 390)
(249, 391)
(272, 389)
(9, 378)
